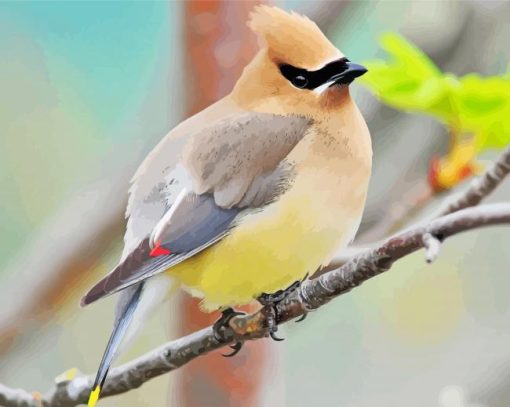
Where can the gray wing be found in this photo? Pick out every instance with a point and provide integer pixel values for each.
(231, 167)
(235, 155)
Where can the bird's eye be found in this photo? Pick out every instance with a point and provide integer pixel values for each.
(297, 76)
(299, 81)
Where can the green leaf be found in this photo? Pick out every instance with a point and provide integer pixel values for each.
(408, 55)
(410, 80)
(483, 106)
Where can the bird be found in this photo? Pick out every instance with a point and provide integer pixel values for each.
(253, 193)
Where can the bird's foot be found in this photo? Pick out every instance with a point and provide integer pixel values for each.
(279, 295)
(268, 302)
(302, 317)
(269, 311)
(223, 322)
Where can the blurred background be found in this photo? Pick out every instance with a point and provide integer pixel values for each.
(88, 88)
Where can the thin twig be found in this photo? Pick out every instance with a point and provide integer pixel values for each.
(481, 186)
(432, 246)
(311, 295)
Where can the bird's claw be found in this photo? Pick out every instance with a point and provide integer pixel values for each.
(269, 301)
(301, 318)
(269, 311)
(273, 336)
(236, 347)
(223, 322)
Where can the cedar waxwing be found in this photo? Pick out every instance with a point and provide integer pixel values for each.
(251, 194)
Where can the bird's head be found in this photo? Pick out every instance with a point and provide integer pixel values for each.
(297, 62)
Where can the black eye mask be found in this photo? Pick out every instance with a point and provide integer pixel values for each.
(341, 71)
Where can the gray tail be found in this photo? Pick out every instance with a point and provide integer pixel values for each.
(119, 330)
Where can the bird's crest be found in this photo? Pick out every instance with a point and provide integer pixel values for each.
(292, 38)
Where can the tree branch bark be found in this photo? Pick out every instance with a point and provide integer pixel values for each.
(481, 186)
(311, 295)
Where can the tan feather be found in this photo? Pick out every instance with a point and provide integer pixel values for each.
(292, 38)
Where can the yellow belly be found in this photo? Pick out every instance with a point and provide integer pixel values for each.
(267, 252)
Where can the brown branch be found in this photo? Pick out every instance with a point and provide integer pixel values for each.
(311, 295)
(481, 186)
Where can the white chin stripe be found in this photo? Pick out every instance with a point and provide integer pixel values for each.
(320, 89)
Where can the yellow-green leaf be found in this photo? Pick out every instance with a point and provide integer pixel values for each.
(483, 106)
(472, 105)
(410, 80)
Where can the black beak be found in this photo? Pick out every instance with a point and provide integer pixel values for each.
(351, 72)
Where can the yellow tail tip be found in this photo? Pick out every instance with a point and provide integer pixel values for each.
(94, 396)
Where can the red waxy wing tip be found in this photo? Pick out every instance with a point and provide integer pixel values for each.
(159, 251)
